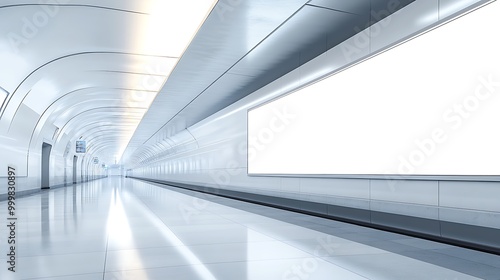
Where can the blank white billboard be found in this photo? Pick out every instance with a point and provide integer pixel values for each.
(430, 106)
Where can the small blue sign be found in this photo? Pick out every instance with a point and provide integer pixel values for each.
(81, 147)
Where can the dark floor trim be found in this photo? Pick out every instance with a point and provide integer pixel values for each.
(463, 235)
(20, 194)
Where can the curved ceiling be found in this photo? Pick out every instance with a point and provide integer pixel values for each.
(91, 68)
(242, 46)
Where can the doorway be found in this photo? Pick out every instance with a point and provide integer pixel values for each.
(75, 159)
(46, 148)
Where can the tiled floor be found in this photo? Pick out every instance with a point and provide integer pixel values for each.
(125, 229)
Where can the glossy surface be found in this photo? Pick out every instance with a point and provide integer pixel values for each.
(119, 228)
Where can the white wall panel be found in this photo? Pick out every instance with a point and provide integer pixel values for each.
(450, 7)
(356, 203)
(16, 141)
(470, 195)
(412, 192)
(351, 50)
(14, 155)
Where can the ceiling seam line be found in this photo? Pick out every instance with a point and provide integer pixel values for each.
(75, 5)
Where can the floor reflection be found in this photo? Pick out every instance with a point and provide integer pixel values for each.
(45, 219)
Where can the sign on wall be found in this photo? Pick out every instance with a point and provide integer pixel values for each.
(81, 147)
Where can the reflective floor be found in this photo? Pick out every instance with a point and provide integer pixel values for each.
(126, 229)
